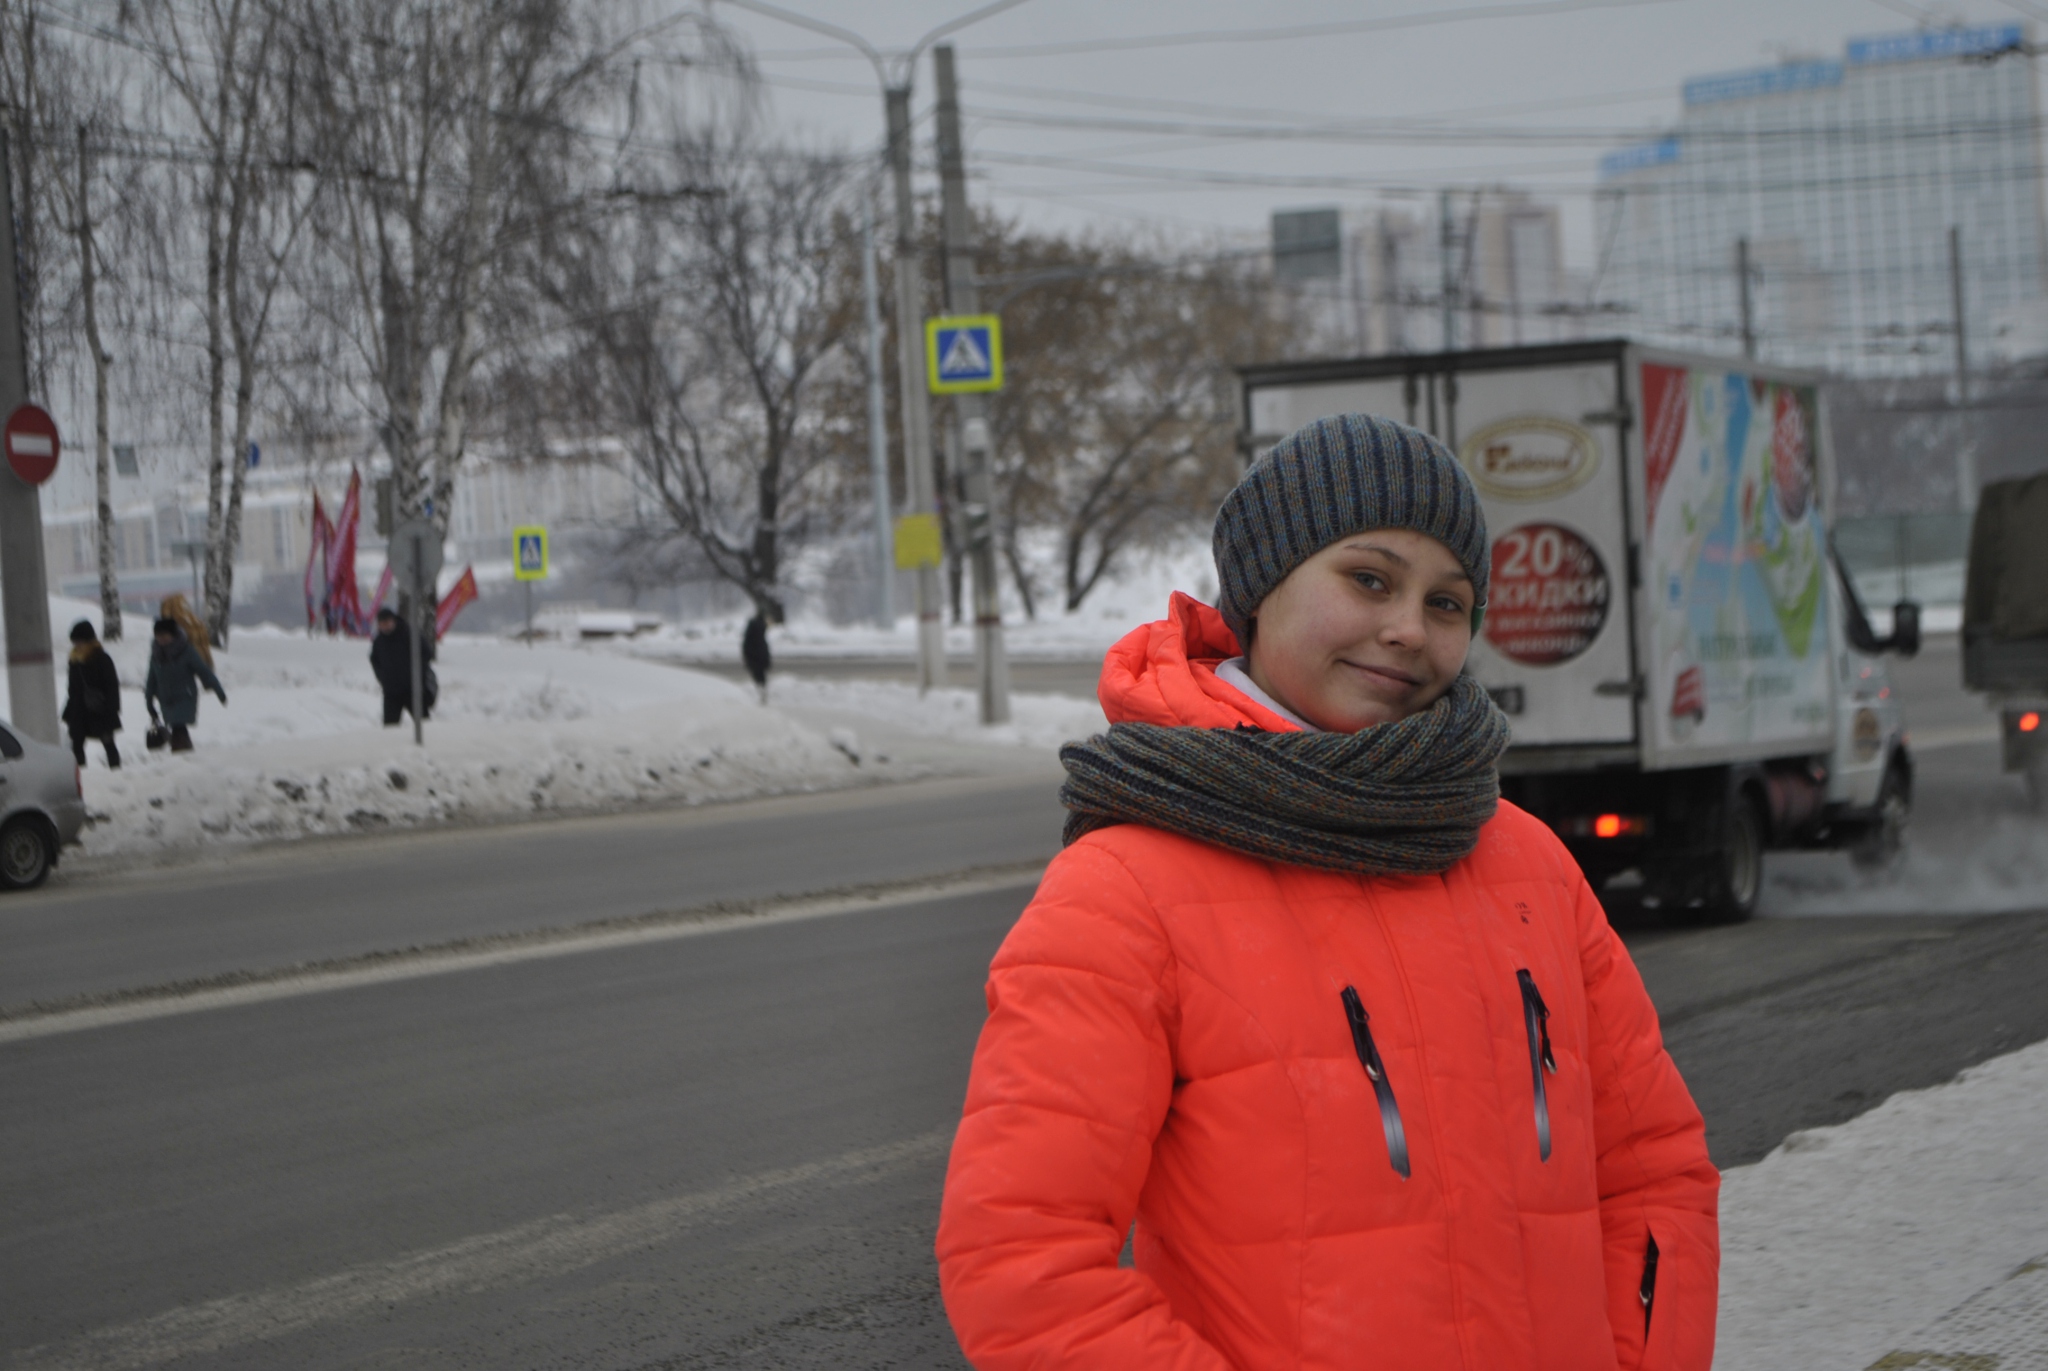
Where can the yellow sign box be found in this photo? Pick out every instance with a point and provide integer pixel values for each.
(530, 553)
(918, 542)
(963, 352)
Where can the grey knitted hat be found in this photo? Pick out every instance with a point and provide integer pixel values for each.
(1336, 477)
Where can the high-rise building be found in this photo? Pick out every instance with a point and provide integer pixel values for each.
(1478, 268)
(1840, 179)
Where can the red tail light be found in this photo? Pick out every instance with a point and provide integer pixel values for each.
(1606, 826)
(2029, 721)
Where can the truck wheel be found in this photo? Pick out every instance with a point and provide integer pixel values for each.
(27, 852)
(1739, 870)
(1881, 846)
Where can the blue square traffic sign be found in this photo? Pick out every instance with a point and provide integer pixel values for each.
(964, 352)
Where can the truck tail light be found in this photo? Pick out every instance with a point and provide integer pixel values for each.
(2030, 721)
(1606, 826)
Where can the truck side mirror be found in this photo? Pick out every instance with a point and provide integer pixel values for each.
(1905, 639)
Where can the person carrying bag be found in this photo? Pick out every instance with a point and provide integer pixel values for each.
(176, 671)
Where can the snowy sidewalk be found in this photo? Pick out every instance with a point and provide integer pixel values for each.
(300, 750)
(1913, 1236)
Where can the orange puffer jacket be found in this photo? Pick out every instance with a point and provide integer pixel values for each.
(1413, 1122)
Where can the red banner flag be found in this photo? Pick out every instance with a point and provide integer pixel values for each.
(344, 599)
(460, 594)
(317, 555)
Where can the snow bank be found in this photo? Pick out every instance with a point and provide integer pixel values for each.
(1844, 1241)
(300, 748)
(468, 771)
(1136, 595)
(1036, 720)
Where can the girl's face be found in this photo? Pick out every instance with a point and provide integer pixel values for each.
(1373, 628)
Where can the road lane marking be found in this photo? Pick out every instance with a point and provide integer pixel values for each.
(1954, 735)
(475, 954)
(527, 1252)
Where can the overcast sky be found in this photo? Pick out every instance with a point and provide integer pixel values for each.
(1120, 113)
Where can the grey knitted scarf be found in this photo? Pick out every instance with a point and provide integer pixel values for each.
(1406, 797)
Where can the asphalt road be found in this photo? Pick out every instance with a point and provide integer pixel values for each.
(349, 897)
(708, 1148)
(719, 1150)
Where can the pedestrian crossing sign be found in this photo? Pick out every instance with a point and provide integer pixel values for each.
(964, 352)
(530, 553)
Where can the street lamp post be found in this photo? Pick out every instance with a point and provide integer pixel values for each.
(895, 78)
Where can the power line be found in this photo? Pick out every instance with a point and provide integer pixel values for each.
(1267, 34)
(1412, 131)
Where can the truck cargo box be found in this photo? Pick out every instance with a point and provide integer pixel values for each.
(1660, 557)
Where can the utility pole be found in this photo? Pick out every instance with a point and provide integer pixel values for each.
(1392, 308)
(1742, 289)
(894, 74)
(878, 435)
(917, 419)
(991, 667)
(1966, 451)
(1447, 287)
(24, 590)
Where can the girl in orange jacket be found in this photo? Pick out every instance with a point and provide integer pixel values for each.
(1348, 1038)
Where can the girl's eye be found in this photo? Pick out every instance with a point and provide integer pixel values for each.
(1369, 579)
(1447, 605)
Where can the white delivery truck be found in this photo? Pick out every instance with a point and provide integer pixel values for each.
(1689, 674)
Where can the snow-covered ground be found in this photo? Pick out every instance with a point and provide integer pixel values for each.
(300, 749)
(1136, 594)
(1850, 1244)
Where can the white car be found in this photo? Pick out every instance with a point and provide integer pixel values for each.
(42, 807)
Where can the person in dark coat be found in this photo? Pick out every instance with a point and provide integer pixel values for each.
(391, 659)
(176, 671)
(754, 652)
(92, 704)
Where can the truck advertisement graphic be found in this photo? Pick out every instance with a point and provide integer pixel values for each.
(1735, 560)
(1549, 596)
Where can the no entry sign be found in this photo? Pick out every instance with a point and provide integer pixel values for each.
(30, 438)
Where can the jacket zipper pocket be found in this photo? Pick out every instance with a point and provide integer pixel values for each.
(1649, 1286)
(1376, 1072)
(1536, 1020)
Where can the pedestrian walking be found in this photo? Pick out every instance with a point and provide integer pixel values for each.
(754, 652)
(1346, 1036)
(92, 702)
(176, 672)
(176, 607)
(391, 661)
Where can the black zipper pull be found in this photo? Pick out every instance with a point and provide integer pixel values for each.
(1536, 1021)
(1648, 1291)
(1376, 1072)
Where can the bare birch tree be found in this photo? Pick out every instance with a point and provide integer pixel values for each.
(100, 360)
(1117, 422)
(446, 133)
(219, 60)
